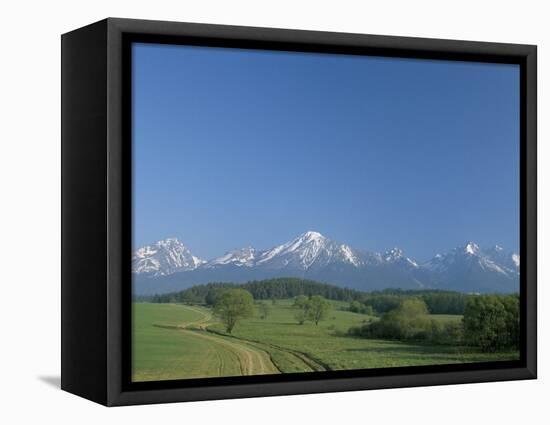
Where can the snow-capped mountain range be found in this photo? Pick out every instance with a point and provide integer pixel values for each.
(163, 258)
(169, 265)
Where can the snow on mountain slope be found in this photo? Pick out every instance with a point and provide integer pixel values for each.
(310, 249)
(164, 257)
(238, 257)
(396, 256)
(472, 269)
(508, 260)
(312, 255)
(468, 256)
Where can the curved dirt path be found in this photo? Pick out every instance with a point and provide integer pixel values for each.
(312, 364)
(263, 347)
(252, 356)
(252, 360)
(201, 323)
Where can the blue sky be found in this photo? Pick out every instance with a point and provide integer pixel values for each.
(237, 148)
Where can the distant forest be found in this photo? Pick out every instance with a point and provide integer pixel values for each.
(379, 302)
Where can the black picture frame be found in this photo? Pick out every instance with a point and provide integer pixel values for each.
(96, 211)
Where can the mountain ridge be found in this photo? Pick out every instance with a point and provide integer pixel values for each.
(169, 264)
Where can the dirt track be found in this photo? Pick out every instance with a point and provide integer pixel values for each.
(252, 360)
(252, 357)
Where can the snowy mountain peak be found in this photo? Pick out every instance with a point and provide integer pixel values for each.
(471, 248)
(307, 238)
(164, 257)
(310, 250)
(507, 259)
(393, 254)
(302, 251)
(238, 257)
(312, 236)
(312, 255)
(470, 267)
(396, 255)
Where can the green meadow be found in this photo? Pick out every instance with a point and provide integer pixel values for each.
(179, 341)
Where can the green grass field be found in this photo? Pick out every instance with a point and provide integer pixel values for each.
(173, 341)
(168, 343)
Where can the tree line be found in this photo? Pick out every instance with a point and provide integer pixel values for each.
(436, 301)
(490, 322)
(268, 289)
(376, 302)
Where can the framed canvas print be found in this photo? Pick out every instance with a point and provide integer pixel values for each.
(252, 212)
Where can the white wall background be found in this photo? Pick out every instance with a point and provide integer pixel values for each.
(30, 211)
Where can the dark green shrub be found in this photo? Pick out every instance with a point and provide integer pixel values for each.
(410, 322)
(491, 322)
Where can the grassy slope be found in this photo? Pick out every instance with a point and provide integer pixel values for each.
(170, 343)
(163, 353)
(328, 345)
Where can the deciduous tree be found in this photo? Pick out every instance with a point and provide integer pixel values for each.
(318, 308)
(232, 306)
(300, 309)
